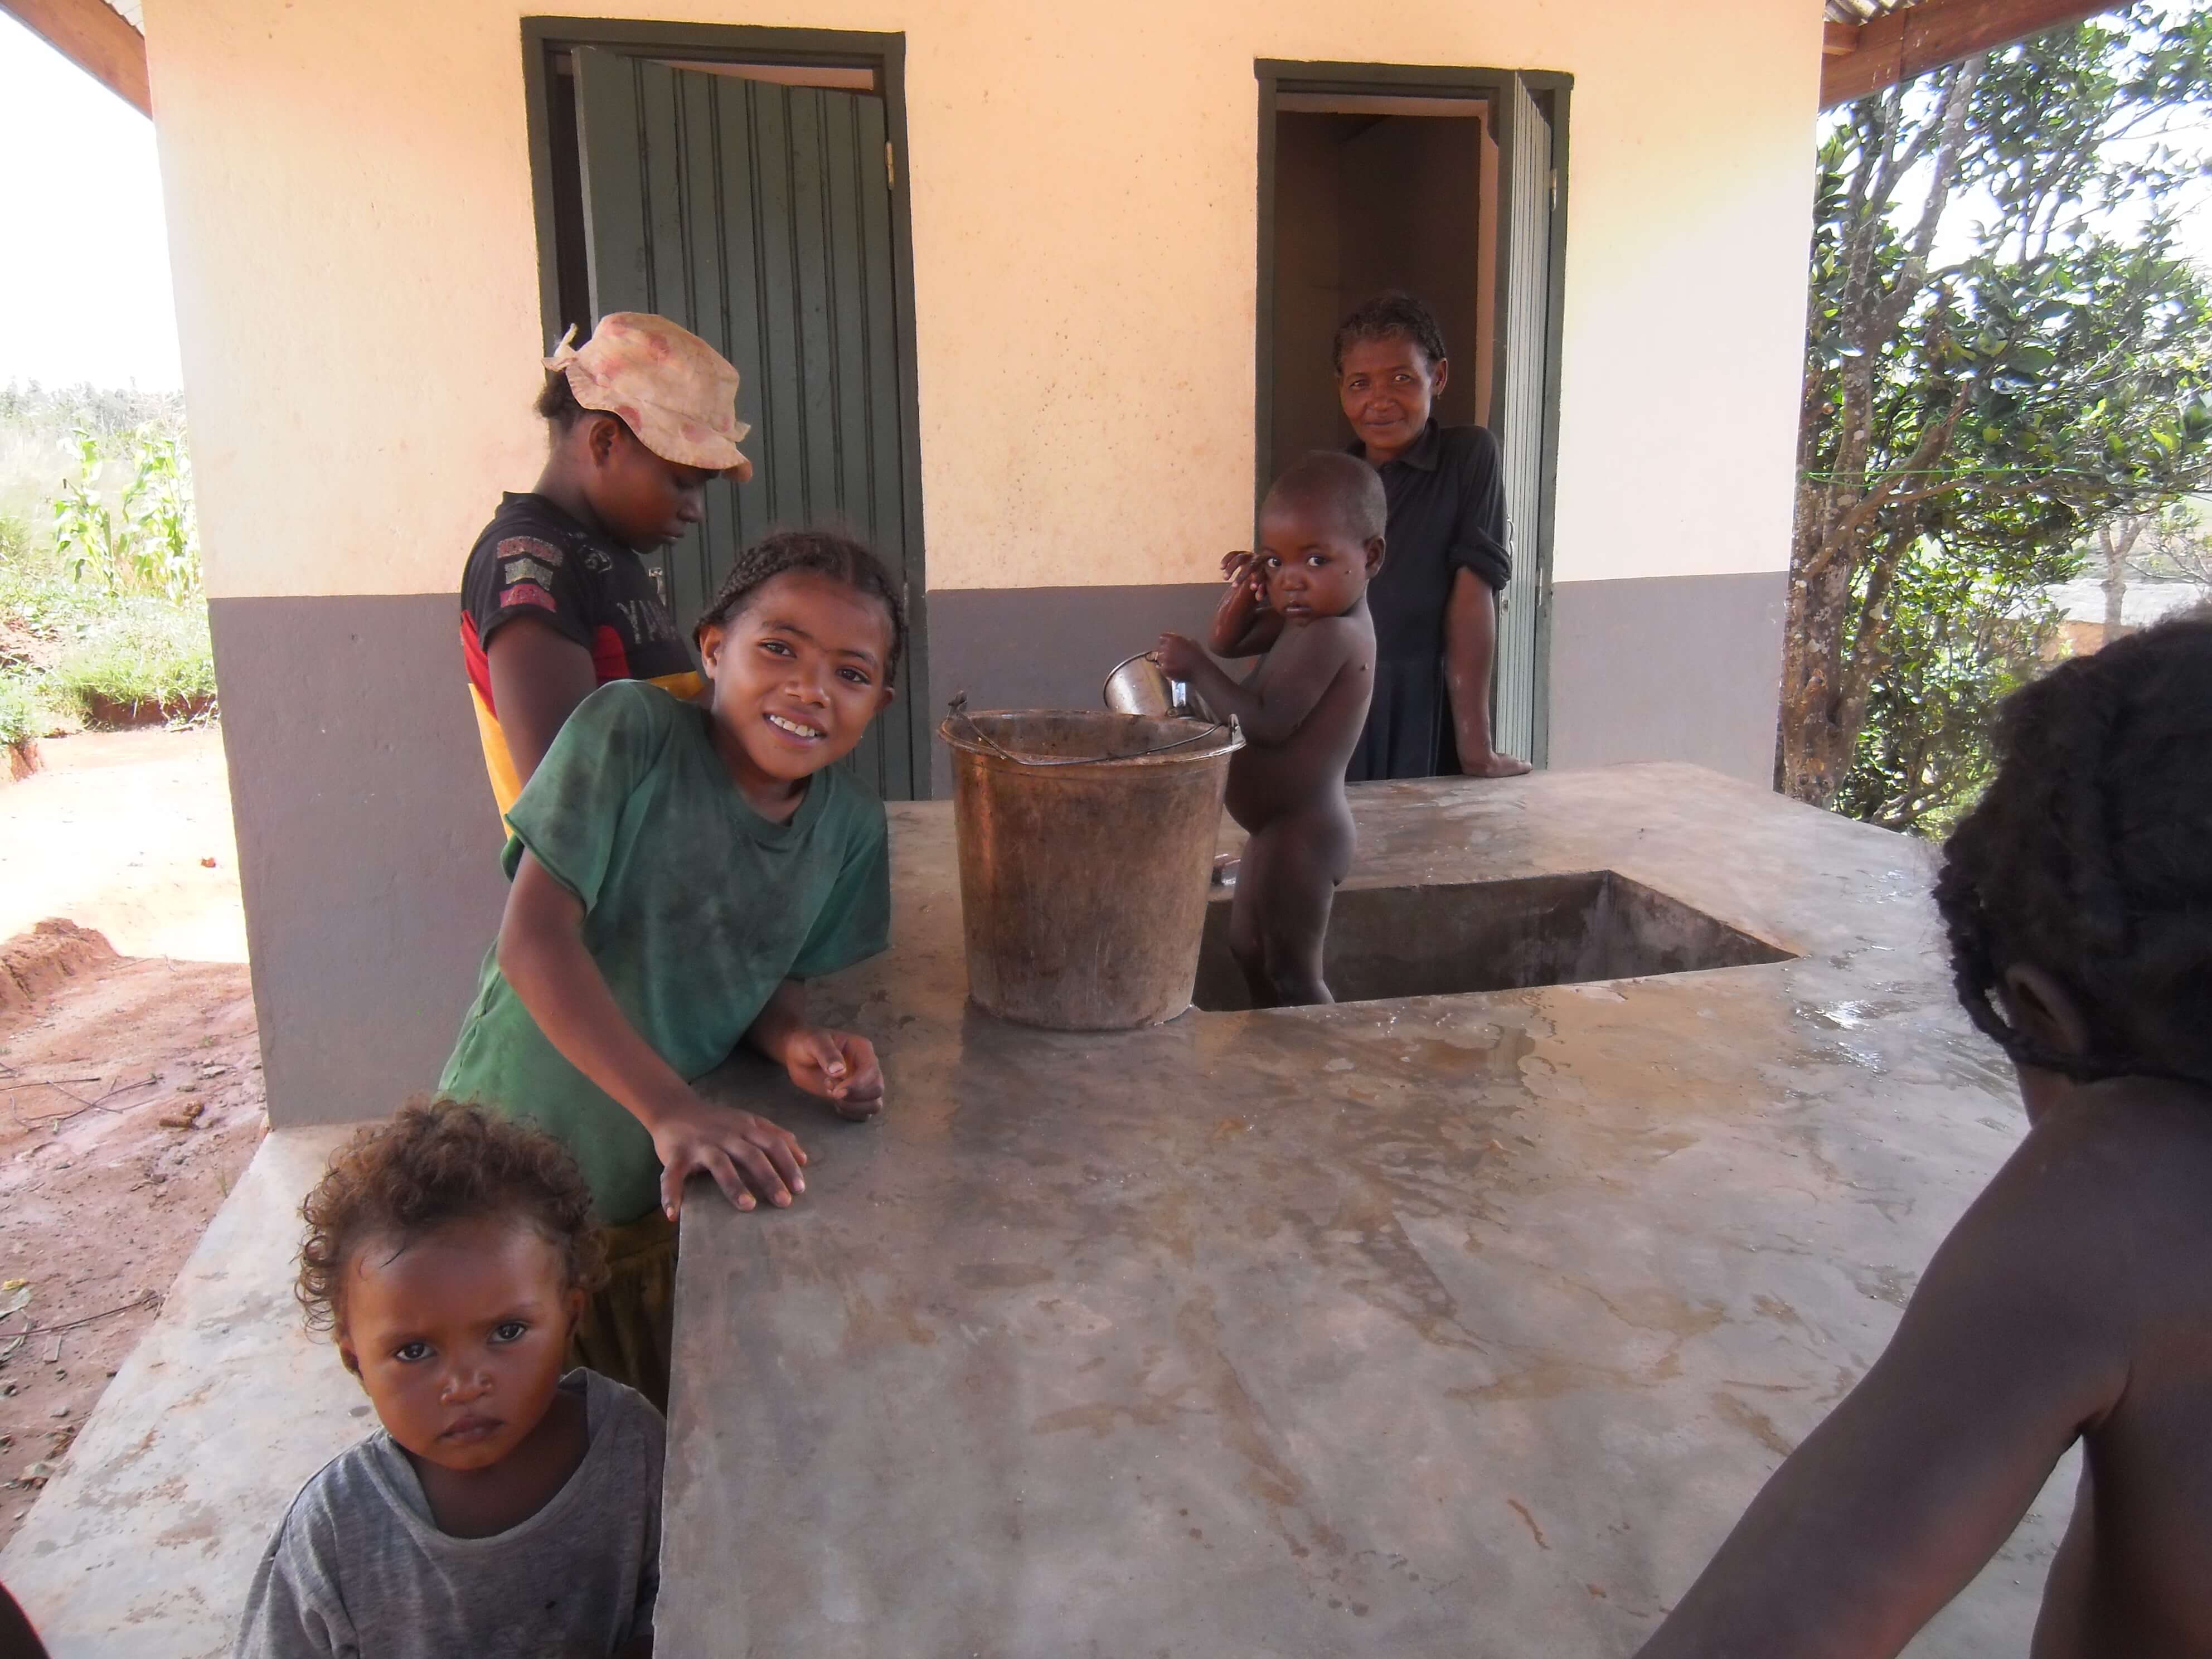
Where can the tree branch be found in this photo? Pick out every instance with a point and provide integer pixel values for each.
(1958, 100)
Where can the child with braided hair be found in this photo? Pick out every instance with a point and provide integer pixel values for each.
(2073, 1301)
(678, 868)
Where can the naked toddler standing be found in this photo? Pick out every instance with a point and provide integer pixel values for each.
(1300, 604)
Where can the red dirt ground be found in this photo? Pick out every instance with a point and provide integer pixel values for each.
(103, 1035)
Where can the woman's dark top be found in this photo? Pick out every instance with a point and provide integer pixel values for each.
(1446, 496)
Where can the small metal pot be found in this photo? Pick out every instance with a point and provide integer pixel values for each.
(1138, 685)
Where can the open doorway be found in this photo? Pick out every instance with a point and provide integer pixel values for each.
(747, 183)
(1449, 184)
(1371, 194)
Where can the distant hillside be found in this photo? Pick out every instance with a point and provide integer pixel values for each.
(102, 409)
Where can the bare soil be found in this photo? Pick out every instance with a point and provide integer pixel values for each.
(128, 833)
(21, 647)
(105, 711)
(131, 1094)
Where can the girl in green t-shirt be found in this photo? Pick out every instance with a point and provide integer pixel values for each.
(677, 868)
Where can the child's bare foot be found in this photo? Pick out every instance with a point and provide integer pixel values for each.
(1225, 869)
(1495, 765)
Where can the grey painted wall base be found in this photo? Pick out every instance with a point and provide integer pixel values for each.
(1669, 668)
(1046, 648)
(367, 841)
(1660, 668)
(369, 844)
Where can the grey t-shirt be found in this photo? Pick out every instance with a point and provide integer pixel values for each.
(359, 1569)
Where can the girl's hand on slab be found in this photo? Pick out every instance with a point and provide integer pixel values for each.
(839, 1067)
(743, 1153)
(1178, 655)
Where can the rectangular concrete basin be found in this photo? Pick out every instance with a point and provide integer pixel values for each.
(1458, 937)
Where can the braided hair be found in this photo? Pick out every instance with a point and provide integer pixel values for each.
(1395, 315)
(2090, 857)
(823, 551)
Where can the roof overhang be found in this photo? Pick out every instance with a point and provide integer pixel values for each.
(1875, 43)
(97, 38)
(1870, 44)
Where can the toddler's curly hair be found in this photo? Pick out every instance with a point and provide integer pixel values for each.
(437, 1162)
(2090, 857)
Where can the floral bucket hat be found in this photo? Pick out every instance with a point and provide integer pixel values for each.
(676, 393)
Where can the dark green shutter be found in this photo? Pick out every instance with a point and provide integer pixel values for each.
(1518, 415)
(759, 216)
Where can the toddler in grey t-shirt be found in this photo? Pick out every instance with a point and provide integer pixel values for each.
(503, 1509)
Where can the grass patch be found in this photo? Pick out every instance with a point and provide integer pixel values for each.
(140, 662)
(37, 593)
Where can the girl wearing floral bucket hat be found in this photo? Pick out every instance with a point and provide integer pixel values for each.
(555, 598)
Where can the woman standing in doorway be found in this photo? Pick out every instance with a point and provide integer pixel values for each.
(1436, 600)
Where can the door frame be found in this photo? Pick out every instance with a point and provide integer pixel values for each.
(1278, 75)
(885, 54)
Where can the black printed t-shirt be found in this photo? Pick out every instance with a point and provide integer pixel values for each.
(1447, 500)
(533, 560)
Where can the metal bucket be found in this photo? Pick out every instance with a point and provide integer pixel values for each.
(1138, 685)
(1086, 848)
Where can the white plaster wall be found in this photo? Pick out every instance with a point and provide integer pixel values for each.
(350, 210)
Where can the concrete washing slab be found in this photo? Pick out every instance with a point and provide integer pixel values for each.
(1449, 1325)
(1455, 1324)
(142, 1547)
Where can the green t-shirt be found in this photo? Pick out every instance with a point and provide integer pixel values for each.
(695, 908)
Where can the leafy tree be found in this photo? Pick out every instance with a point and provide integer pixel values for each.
(2003, 353)
(1962, 635)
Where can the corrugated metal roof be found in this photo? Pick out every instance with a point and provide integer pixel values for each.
(2142, 605)
(1858, 11)
(132, 12)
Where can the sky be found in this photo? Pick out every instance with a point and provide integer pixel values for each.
(84, 284)
(84, 292)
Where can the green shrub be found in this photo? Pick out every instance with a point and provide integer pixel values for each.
(21, 717)
(144, 656)
(99, 578)
(142, 538)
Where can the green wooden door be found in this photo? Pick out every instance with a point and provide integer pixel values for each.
(760, 217)
(1519, 410)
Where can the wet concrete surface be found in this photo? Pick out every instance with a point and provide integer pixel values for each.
(1451, 1325)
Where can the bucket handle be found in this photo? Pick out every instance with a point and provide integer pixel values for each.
(957, 709)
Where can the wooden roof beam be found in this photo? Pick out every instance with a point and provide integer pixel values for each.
(1900, 45)
(97, 39)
